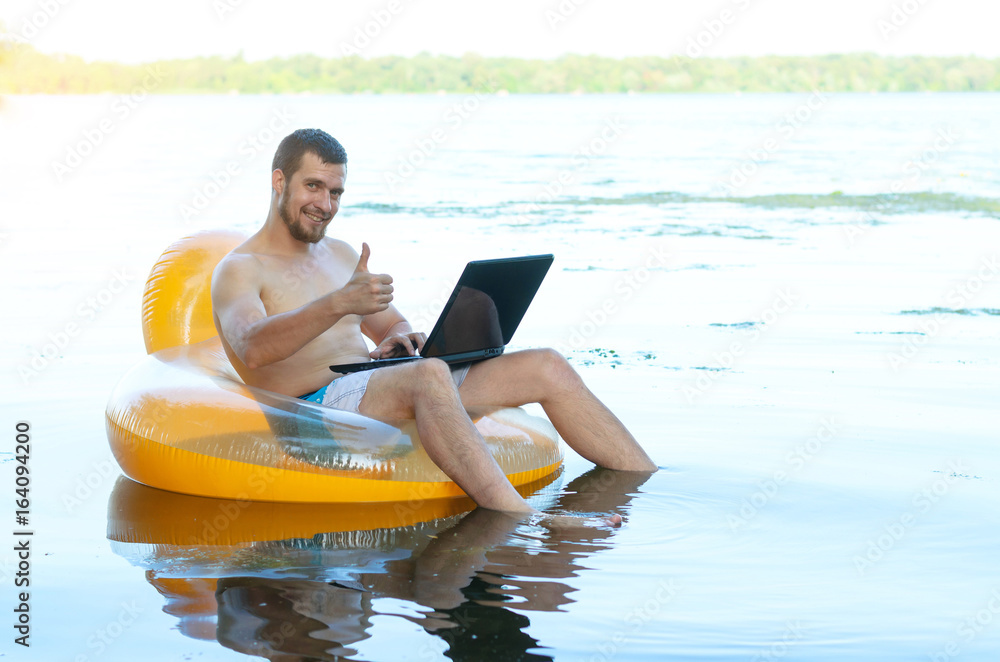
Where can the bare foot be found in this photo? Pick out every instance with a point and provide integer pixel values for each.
(562, 522)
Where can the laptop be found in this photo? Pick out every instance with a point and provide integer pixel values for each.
(481, 314)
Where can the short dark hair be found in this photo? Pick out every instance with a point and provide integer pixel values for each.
(288, 156)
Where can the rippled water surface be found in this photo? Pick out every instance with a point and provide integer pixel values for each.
(792, 302)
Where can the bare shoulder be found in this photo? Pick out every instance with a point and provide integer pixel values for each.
(237, 263)
(238, 269)
(340, 251)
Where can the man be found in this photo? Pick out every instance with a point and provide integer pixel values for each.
(289, 302)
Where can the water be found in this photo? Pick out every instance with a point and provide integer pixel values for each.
(790, 300)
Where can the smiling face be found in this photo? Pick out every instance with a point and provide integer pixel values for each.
(310, 199)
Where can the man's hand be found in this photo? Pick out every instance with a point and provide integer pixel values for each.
(366, 293)
(399, 345)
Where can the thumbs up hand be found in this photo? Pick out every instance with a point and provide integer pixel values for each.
(366, 293)
(363, 261)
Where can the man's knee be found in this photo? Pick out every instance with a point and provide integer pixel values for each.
(432, 373)
(555, 368)
(395, 391)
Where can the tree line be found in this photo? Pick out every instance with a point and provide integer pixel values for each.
(23, 70)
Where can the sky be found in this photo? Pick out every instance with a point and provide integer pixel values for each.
(135, 31)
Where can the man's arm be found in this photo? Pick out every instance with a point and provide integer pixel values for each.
(392, 334)
(258, 339)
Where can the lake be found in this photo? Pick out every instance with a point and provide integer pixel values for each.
(792, 301)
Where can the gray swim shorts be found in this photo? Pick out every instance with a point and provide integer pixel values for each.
(346, 392)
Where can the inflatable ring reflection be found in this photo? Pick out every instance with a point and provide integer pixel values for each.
(187, 544)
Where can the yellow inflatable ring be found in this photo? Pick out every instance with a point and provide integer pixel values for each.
(183, 420)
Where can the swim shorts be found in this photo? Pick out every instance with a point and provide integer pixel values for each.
(346, 392)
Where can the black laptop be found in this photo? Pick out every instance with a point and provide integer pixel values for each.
(481, 315)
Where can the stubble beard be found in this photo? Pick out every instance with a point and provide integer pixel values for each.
(295, 228)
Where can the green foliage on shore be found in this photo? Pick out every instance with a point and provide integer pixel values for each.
(24, 70)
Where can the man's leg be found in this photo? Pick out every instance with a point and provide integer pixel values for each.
(544, 376)
(425, 392)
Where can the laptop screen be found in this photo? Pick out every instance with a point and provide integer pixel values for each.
(487, 305)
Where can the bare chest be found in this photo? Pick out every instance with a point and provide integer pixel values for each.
(289, 284)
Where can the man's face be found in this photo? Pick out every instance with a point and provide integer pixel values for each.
(311, 198)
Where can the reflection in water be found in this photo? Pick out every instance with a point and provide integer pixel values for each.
(288, 619)
(307, 581)
(487, 632)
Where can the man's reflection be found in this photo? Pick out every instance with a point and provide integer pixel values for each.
(291, 620)
(469, 580)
